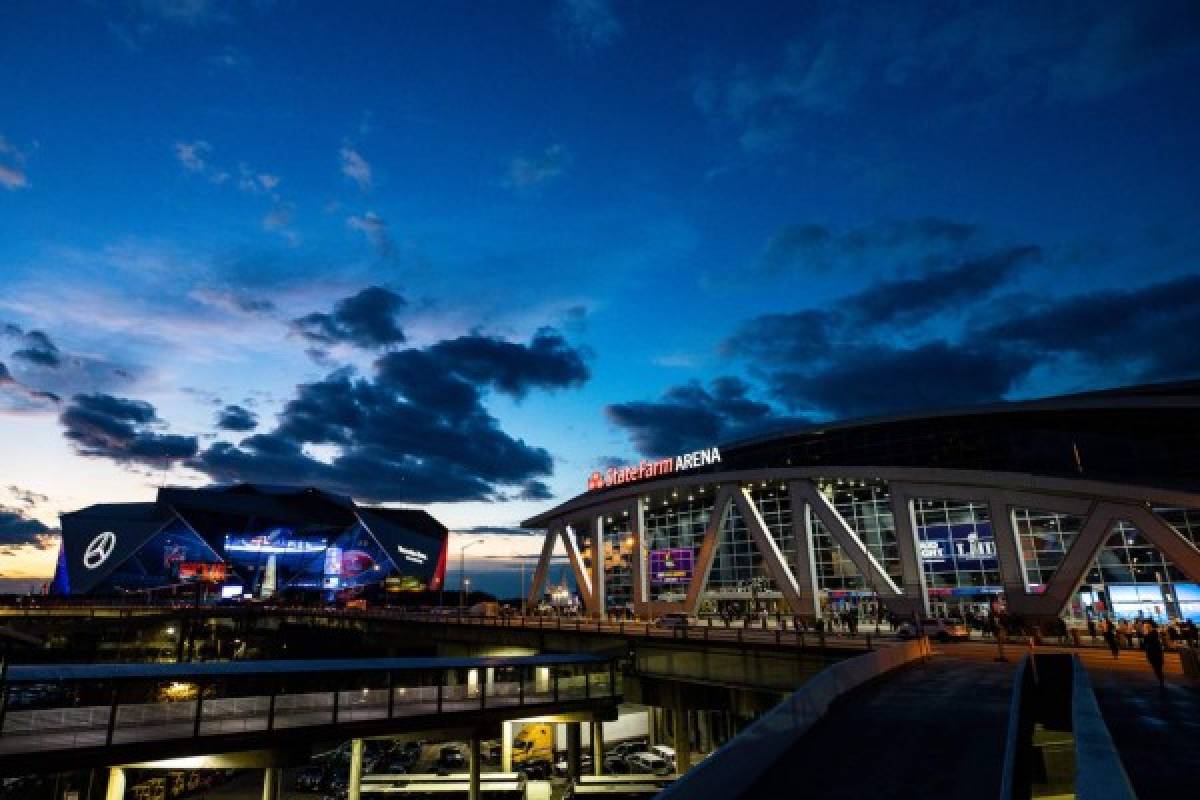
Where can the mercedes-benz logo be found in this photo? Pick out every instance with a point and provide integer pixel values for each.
(99, 549)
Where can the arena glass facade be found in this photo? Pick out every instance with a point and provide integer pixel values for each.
(1078, 505)
(249, 540)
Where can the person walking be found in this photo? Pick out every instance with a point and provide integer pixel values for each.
(1110, 639)
(1092, 627)
(1153, 647)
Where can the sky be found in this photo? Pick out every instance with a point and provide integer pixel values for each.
(456, 256)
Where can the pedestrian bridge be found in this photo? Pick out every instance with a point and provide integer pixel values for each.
(79, 715)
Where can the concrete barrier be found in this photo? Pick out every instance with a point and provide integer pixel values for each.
(730, 770)
(1099, 774)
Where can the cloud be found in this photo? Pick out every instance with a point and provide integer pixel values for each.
(18, 530)
(881, 378)
(375, 228)
(41, 372)
(236, 418)
(27, 498)
(586, 24)
(232, 301)
(1147, 333)
(366, 319)
(120, 429)
(691, 416)
(355, 167)
(194, 156)
(810, 246)
(966, 58)
(39, 350)
(17, 398)
(12, 167)
(416, 430)
(960, 330)
(525, 172)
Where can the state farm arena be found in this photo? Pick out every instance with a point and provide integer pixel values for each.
(1078, 505)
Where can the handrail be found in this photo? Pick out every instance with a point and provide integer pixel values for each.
(746, 757)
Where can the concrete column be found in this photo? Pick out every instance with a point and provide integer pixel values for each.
(597, 747)
(506, 744)
(599, 592)
(356, 759)
(652, 725)
(683, 748)
(574, 735)
(702, 732)
(116, 784)
(272, 783)
(473, 790)
(641, 578)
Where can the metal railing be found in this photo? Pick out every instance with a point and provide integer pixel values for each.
(539, 683)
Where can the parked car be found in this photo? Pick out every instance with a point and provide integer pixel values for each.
(451, 757)
(665, 753)
(615, 765)
(942, 630)
(648, 763)
(310, 779)
(672, 620)
(629, 747)
(536, 769)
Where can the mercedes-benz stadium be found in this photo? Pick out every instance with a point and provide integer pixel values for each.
(249, 540)
(1080, 505)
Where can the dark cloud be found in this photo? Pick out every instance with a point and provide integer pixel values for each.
(812, 246)
(17, 398)
(881, 379)
(367, 320)
(120, 429)
(547, 362)
(416, 430)
(912, 299)
(39, 350)
(691, 416)
(236, 418)
(27, 498)
(1148, 333)
(18, 530)
(916, 342)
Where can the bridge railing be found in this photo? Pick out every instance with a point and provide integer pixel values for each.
(210, 702)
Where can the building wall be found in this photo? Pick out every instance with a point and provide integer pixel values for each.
(973, 541)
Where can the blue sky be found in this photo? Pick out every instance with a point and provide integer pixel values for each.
(720, 219)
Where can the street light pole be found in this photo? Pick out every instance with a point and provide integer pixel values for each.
(462, 571)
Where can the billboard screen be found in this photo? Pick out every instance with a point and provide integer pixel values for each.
(671, 567)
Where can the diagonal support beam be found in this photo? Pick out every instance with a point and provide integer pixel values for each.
(805, 569)
(1074, 566)
(772, 556)
(542, 570)
(849, 541)
(708, 549)
(578, 568)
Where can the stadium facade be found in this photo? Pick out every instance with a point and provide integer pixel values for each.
(1079, 505)
(249, 540)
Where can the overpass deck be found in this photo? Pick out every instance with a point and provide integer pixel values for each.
(111, 714)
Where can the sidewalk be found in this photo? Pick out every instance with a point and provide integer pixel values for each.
(930, 730)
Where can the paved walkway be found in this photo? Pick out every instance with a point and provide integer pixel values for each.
(930, 730)
(1156, 732)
